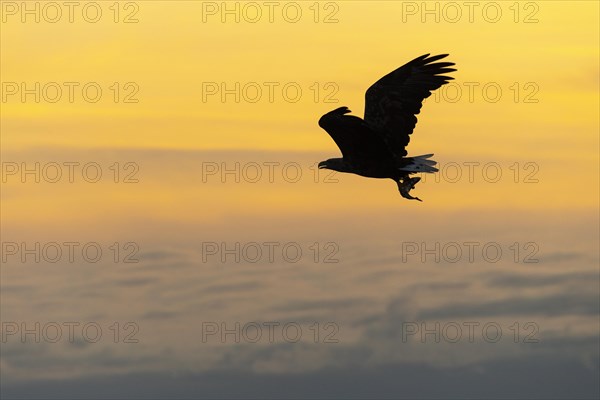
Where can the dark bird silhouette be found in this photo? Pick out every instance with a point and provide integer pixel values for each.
(374, 147)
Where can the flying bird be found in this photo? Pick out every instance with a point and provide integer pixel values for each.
(375, 147)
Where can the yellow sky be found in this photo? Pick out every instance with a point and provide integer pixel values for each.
(545, 64)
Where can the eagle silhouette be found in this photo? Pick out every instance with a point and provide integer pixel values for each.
(374, 147)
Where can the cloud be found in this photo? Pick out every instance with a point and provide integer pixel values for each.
(521, 280)
(551, 305)
(510, 378)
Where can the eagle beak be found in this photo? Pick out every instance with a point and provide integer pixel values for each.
(323, 164)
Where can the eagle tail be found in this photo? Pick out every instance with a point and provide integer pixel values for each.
(419, 164)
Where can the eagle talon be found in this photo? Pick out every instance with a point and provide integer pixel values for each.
(405, 185)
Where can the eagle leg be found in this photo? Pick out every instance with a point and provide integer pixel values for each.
(405, 185)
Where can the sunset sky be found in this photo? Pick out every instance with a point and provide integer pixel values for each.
(524, 104)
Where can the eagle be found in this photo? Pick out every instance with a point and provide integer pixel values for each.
(375, 147)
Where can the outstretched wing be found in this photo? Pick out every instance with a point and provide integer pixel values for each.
(359, 145)
(391, 103)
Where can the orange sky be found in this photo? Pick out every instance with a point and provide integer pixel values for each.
(547, 112)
